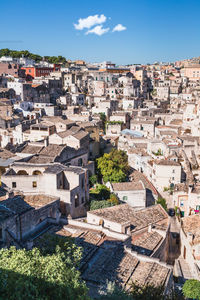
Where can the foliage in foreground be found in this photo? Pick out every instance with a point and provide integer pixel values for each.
(191, 289)
(33, 275)
(114, 166)
(139, 292)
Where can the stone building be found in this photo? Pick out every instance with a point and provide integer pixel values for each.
(132, 193)
(24, 217)
(187, 265)
(70, 184)
(166, 172)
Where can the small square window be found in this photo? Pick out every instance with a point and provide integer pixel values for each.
(14, 185)
(34, 184)
(125, 198)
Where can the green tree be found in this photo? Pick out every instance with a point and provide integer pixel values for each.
(191, 289)
(103, 120)
(114, 166)
(93, 180)
(113, 199)
(101, 192)
(32, 275)
(36, 57)
(162, 202)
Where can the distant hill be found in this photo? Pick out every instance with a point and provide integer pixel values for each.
(36, 57)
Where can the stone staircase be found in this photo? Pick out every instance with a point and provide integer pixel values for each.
(182, 270)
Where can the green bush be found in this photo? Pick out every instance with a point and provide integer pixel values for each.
(191, 289)
(27, 275)
(162, 202)
(165, 189)
(101, 192)
(95, 204)
(93, 180)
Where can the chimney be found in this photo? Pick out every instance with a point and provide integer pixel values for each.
(46, 141)
(150, 228)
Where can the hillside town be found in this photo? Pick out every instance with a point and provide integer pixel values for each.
(108, 155)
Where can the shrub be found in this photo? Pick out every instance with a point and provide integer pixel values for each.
(162, 202)
(191, 289)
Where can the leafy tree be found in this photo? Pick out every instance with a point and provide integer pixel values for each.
(32, 275)
(162, 202)
(113, 199)
(114, 166)
(103, 120)
(93, 180)
(36, 57)
(101, 192)
(191, 289)
(100, 197)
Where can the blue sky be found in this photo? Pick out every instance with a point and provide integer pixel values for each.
(153, 30)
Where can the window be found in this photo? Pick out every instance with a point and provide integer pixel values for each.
(173, 171)
(29, 70)
(80, 162)
(1, 233)
(76, 200)
(125, 198)
(82, 200)
(14, 185)
(172, 178)
(34, 184)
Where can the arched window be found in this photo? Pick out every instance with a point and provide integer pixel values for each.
(37, 172)
(22, 172)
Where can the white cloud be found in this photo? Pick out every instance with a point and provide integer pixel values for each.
(99, 30)
(90, 21)
(119, 27)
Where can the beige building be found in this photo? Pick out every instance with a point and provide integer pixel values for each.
(189, 261)
(74, 137)
(192, 72)
(165, 173)
(132, 193)
(70, 184)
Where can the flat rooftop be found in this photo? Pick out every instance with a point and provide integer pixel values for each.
(38, 201)
(127, 186)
